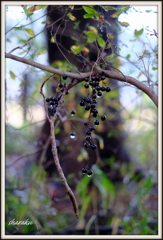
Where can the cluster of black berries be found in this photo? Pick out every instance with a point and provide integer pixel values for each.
(89, 172)
(53, 104)
(90, 104)
(53, 101)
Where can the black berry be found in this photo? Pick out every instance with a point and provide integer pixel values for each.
(103, 118)
(93, 105)
(87, 108)
(88, 132)
(64, 76)
(108, 89)
(96, 122)
(73, 112)
(92, 128)
(94, 115)
(99, 94)
(82, 103)
(86, 123)
(89, 172)
(93, 146)
(86, 85)
(84, 170)
(72, 135)
(88, 138)
(86, 79)
(88, 100)
(94, 110)
(103, 89)
(93, 78)
(98, 88)
(103, 77)
(86, 145)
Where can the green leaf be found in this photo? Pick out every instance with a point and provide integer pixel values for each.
(106, 8)
(90, 10)
(29, 31)
(101, 42)
(18, 28)
(115, 15)
(128, 56)
(137, 33)
(8, 40)
(88, 15)
(91, 36)
(76, 49)
(53, 39)
(124, 24)
(154, 68)
(41, 52)
(71, 17)
(71, 7)
(12, 75)
(57, 130)
(34, 8)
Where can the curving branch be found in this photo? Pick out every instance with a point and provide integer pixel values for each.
(80, 76)
(54, 147)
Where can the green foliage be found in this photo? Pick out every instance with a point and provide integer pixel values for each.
(101, 42)
(91, 36)
(98, 190)
(12, 75)
(138, 33)
(91, 12)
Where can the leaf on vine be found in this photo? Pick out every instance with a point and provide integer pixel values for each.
(53, 39)
(58, 63)
(115, 15)
(12, 75)
(85, 50)
(71, 17)
(90, 10)
(101, 42)
(91, 36)
(101, 18)
(71, 7)
(154, 68)
(35, 8)
(137, 33)
(125, 8)
(8, 40)
(110, 36)
(109, 45)
(42, 51)
(88, 15)
(29, 31)
(106, 8)
(128, 56)
(76, 49)
(124, 24)
(93, 29)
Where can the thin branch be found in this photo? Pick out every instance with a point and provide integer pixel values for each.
(11, 164)
(80, 76)
(54, 147)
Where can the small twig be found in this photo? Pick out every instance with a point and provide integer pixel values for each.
(54, 147)
(11, 164)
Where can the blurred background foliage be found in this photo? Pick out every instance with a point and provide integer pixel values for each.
(129, 206)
